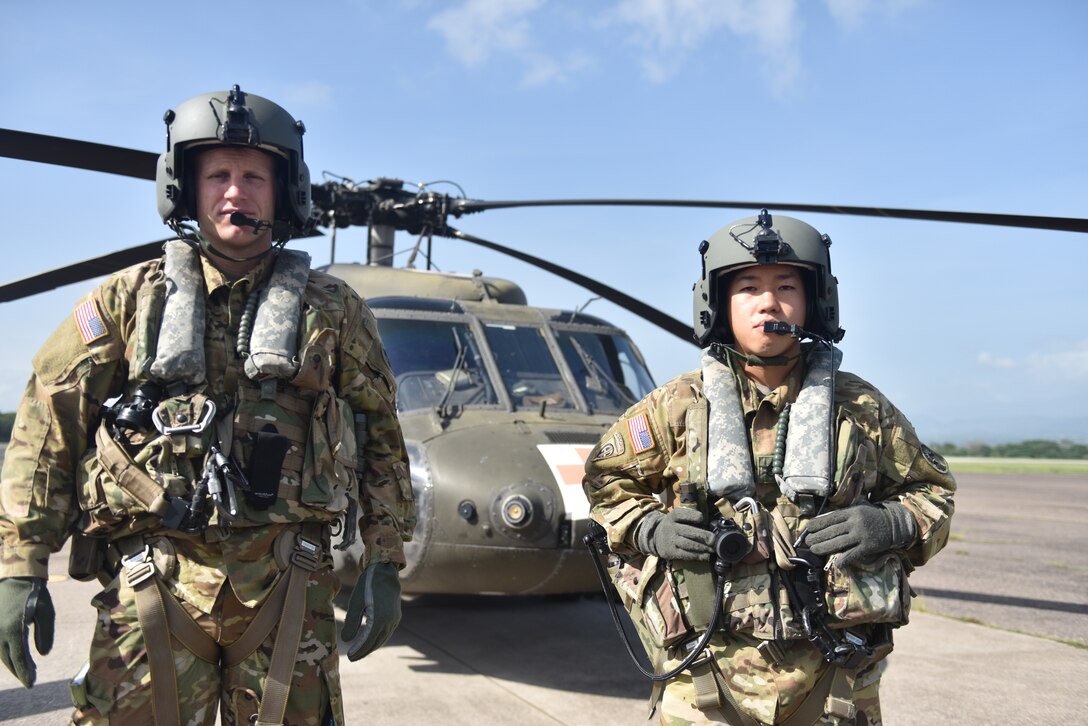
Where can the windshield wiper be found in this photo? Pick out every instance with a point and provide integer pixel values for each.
(595, 373)
(443, 409)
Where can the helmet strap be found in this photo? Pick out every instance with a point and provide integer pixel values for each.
(753, 360)
(191, 235)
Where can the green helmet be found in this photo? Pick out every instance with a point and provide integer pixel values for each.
(233, 118)
(765, 241)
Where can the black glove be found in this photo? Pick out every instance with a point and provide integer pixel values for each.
(24, 600)
(678, 535)
(377, 596)
(861, 532)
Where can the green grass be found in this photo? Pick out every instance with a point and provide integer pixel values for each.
(969, 465)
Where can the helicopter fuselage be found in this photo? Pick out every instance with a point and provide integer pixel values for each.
(500, 403)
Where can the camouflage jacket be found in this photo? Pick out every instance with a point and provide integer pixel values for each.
(641, 460)
(622, 485)
(46, 489)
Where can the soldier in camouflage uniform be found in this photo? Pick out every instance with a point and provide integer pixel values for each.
(745, 440)
(202, 425)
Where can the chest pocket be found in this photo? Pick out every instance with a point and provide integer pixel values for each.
(647, 591)
(872, 592)
(855, 461)
(319, 465)
(328, 472)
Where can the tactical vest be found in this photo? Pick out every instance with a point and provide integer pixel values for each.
(827, 462)
(286, 397)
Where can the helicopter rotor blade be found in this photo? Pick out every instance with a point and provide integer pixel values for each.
(1066, 224)
(80, 271)
(78, 154)
(644, 311)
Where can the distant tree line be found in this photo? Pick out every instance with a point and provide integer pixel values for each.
(1031, 449)
(7, 420)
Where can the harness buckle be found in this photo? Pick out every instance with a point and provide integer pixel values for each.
(307, 554)
(704, 658)
(206, 417)
(772, 652)
(138, 567)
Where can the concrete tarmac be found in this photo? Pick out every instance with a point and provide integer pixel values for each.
(1018, 561)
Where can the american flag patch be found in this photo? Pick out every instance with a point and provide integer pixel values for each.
(641, 438)
(89, 321)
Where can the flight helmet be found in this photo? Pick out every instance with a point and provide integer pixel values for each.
(233, 118)
(763, 240)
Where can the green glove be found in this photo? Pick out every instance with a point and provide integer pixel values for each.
(861, 532)
(377, 596)
(24, 600)
(678, 535)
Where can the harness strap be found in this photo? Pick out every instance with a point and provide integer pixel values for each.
(712, 692)
(305, 559)
(141, 576)
(699, 579)
(185, 630)
(781, 536)
(831, 694)
(161, 617)
(260, 626)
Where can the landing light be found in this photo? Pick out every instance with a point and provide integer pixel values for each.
(517, 510)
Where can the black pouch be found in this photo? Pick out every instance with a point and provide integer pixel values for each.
(86, 557)
(268, 448)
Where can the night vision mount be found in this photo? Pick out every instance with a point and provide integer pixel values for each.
(768, 246)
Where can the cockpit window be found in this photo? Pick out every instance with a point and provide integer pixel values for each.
(608, 369)
(527, 367)
(437, 364)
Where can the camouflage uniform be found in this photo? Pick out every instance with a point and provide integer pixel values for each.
(53, 484)
(878, 458)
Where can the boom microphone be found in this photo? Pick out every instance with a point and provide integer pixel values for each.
(783, 329)
(795, 330)
(240, 220)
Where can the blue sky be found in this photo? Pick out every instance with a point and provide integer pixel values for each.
(976, 333)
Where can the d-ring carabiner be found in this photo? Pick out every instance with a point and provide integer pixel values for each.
(206, 417)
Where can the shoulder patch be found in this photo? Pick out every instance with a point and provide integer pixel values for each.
(639, 430)
(935, 460)
(614, 446)
(89, 321)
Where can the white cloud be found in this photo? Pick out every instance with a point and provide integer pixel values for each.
(1069, 365)
(544, 69)
(668, 31)
(478, 29)
(665, 33)
(988, 360)
(850, 14)
(1061, 365)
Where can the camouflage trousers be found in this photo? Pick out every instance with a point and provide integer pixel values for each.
(118, 682)
(767, 693)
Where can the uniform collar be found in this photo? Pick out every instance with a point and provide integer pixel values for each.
(215, 278)
(753, 395)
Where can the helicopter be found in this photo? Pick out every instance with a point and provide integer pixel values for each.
(500, 402)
